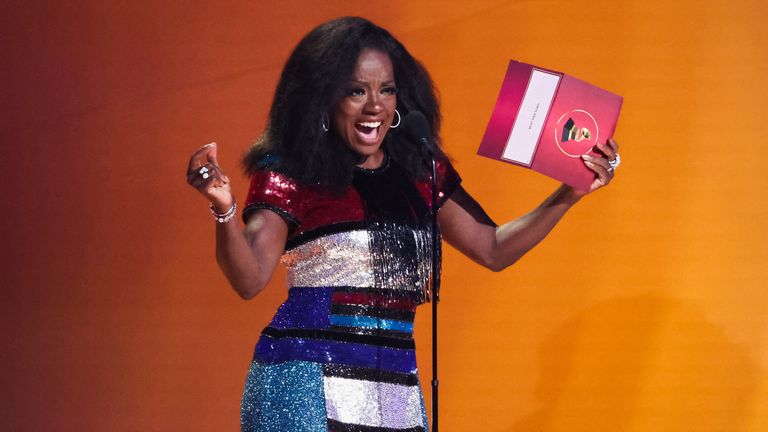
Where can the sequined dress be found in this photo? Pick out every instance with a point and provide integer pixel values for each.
(339, 353)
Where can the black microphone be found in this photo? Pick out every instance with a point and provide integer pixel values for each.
(416, 128)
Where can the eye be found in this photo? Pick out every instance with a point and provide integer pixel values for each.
(390, 90)
(356, 91)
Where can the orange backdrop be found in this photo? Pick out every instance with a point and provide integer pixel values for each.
(643, 311)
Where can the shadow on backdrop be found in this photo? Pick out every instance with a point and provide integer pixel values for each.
(648, 363)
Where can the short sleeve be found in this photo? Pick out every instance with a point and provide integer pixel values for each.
(276, 192)
(448, 180)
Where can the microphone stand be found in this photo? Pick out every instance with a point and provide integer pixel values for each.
(435, 294)
(417, 128)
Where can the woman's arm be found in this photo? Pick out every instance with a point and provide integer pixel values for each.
(247, 258)
(468, 228)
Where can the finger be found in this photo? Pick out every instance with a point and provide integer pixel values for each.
(614, 145)
(212, 186)
(198, 182)
(200, 156)
(204, 174)
(199, 178)
(212, 154)
(606, 150)
(604, 174)
(217, 177)
(219, 173)
(599, 161)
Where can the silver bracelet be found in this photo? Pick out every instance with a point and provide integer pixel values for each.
(224, 217)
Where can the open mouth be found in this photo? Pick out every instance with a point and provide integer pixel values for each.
(368, 132)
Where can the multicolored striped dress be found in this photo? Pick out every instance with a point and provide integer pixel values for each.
(339, 353)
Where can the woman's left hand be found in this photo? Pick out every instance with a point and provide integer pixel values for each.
(604, 165)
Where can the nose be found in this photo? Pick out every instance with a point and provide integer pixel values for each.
(373, 103)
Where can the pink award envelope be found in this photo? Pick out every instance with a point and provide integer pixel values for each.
(546, 120)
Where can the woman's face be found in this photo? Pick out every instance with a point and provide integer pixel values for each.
(367, 107)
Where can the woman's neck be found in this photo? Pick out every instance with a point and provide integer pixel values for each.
(372, 161)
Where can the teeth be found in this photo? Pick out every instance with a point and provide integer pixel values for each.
(370, 124)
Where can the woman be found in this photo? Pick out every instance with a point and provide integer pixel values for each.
(342, 198)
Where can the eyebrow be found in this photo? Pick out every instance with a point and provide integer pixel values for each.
(388, 82)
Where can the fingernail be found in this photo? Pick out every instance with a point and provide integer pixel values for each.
(210, 144)
(584, 156)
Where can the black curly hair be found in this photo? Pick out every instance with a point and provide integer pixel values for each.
(310, 87)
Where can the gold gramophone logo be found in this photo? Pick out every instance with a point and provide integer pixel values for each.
(576, 132)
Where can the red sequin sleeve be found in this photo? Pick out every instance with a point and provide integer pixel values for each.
(448, 180)
(278, 193)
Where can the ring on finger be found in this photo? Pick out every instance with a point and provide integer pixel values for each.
(614, 163)
(204, 172)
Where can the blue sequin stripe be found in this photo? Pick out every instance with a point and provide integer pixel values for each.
(308, 308)
(371, 323)
(305, 308)
(277, 350)
(284, 397)
(335, 335)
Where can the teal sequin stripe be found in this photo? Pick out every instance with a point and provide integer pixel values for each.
(367, 322)
(284, 397)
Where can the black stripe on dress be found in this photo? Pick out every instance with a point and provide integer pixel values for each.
(367, 374)
(337, 426)
(373, 332)
(372, 312)
(250, 208)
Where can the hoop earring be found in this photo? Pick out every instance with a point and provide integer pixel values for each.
(398, 121)
(324, 123)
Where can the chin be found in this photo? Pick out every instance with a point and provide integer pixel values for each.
(366, 151)
(364, 148)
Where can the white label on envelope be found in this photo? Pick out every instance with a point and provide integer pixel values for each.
(521, 144)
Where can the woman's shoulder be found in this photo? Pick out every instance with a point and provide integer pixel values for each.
(448, 180)
(268, 177)
(272, 175)
(271, 187)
